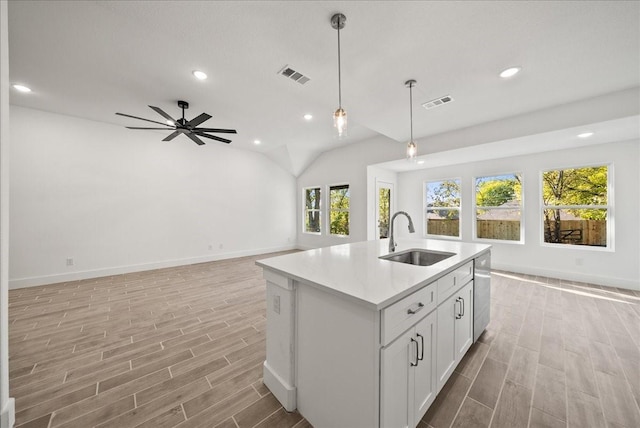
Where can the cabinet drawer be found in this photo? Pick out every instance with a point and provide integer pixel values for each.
(454, 280)
(408, 311)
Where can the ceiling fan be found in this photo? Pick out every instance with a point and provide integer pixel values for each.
(183, 126)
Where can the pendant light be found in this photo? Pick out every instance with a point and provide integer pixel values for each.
(340, 115)
(412, 148)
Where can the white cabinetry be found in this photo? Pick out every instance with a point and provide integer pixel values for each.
(371, 343)
(463, 331)
(455, 331)
(408, 376)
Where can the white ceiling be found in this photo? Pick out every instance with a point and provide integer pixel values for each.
(92, 59)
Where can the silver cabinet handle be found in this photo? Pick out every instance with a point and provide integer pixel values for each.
(463, 311)
(415, 311)
(421, 357)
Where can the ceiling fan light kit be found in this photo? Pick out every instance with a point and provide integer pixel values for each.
(184, 126)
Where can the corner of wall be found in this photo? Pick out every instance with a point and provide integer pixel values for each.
(7, 404)
(8, 414)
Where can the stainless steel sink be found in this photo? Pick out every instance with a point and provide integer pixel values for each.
(418, 257)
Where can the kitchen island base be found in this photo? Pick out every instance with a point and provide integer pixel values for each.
(342, 362)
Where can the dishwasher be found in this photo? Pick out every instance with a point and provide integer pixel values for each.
(481, 294)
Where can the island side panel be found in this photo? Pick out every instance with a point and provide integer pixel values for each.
(279, 368)
(337, 360)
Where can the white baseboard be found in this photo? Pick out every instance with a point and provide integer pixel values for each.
(8, 414)
(285, 393)
(118, 270)
(570, 276)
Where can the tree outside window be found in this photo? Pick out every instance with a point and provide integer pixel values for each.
(312, 197)
(384, 211)
(499, 207)
(575, 206)
(339, 210)
(442, 211)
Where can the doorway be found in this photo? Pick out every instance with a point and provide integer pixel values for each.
(384, 206)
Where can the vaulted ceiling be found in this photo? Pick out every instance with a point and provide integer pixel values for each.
(91, 59)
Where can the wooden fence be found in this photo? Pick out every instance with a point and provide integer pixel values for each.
(578, 232)
(443, 227)
(581, 232)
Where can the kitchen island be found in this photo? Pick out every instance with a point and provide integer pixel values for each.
(354, 340)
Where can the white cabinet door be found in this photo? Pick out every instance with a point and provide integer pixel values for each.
(464, 324)
(394, 389)
(424, 374)
(455, 331)
(446, 355)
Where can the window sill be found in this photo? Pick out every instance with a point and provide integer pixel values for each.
(498, 241)
(608, 249)
(445, 237)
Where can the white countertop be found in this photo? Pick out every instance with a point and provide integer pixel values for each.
(355, 271)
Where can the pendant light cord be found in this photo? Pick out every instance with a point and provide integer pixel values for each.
(339, 74)
(411, 108)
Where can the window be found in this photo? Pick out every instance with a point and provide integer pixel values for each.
(339, 210)
(312, 217)
(575, 206)
(442, 207)
(385, 204)
(499, 207)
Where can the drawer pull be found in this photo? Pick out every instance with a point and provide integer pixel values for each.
(412, 311)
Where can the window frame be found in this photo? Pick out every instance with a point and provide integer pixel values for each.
(610, 229)
(330, 210)
(474, 218)
(305, 210)
(425, 209)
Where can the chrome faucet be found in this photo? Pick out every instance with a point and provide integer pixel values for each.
(392, 242)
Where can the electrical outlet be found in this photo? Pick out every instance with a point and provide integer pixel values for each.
(276, 304)
(70, 261)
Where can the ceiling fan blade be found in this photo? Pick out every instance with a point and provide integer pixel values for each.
(195, 139)
(216, 130)
(141, 118)
(223, 140)
(163, 114)
(172, 135)
(199, 119)
(138, 127)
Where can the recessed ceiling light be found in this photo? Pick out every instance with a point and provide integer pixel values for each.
(585, 135)
(510, 72)
(257, 142)
(308, 116)
(200, 75)
(22, 88)
(420, 162)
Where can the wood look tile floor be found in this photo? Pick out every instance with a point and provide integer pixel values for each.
(183, 347)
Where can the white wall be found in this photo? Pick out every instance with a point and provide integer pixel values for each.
(616, 268)
(346, 165)
(118, 200)
(7, 405)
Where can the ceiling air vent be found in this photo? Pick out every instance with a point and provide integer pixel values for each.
(437, 102)
(294, 75)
